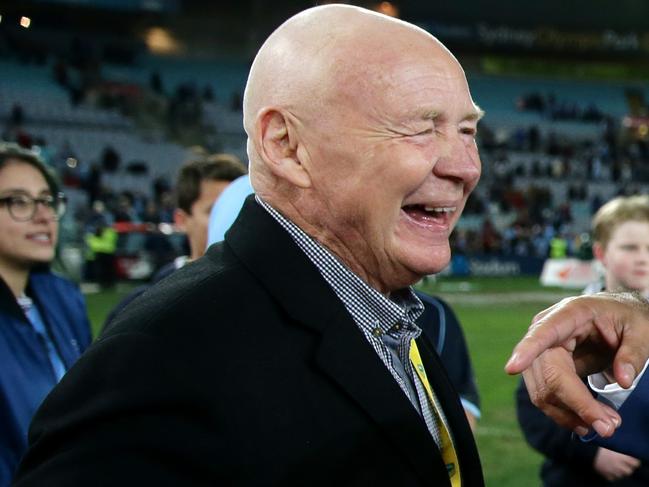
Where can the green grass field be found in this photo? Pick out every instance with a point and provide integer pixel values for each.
(495, 313)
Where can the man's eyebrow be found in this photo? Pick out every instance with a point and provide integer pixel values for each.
(429, 114)
(474, 115)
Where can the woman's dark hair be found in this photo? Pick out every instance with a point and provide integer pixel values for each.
(10, 152)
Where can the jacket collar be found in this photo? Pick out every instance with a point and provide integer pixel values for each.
(8, 302)
(37, 287)
(270, 254)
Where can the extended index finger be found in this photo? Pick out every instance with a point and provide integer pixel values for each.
(553, 327)
(555, 388)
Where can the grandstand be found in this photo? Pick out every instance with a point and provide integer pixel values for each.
(540, 132)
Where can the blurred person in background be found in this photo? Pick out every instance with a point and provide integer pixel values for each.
(442, 327)
(98, 219)
(198, 186)
(101, 245)
(559, 246)
(227, 208)
(43, 322)
(621, 244)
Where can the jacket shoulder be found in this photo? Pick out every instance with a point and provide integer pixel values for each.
(53, 278)
(429, 300)
(211, 285)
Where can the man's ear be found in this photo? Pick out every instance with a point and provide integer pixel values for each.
(278, 142)
(180, 219)
(598, 252)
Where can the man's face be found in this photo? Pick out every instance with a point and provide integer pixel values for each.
(394, 163)
(25, 243)
(195, 224)
(626, 257)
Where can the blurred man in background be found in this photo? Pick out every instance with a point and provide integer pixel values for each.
(198, 186)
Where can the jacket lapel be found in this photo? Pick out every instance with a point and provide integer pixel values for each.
(347, 357)
(344, 354)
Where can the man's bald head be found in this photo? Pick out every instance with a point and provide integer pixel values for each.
(320, 57)
(361, 130)
(305, 53)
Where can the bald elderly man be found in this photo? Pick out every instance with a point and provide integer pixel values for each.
(289, 354)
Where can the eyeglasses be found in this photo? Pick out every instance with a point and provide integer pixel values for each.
(22, 208)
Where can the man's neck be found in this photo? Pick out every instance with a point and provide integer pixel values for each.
(332, 242)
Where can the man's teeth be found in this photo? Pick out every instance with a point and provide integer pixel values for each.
(41, 237)
(441, 209)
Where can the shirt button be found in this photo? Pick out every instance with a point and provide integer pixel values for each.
(397, 327)
(377, 332)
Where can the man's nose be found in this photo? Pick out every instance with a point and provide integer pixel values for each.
(459, 160)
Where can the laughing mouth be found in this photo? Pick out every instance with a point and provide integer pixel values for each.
(428, 212)
(440, 209)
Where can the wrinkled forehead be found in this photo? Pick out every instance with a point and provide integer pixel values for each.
(424, 78)
(324, 63)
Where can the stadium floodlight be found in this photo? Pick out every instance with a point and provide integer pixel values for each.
(387, 8)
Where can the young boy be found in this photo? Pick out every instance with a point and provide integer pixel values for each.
(621, 244)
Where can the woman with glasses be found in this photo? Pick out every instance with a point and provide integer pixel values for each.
(43, 320)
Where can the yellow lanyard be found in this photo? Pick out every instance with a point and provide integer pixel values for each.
(449, 455)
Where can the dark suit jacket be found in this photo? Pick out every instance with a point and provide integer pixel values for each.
(242, 368)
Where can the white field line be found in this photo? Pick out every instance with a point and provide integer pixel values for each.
(507, 433)
(481, 299)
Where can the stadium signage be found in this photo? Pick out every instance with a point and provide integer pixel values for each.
(569, 273)
(494, 267)
(540, 39)
(486, 265)
(545, 38)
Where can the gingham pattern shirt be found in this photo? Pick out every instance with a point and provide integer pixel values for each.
(387, 324)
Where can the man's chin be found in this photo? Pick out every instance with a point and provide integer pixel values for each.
(433, 262)
(421, 269)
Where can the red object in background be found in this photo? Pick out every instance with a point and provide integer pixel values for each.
(142, 248)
